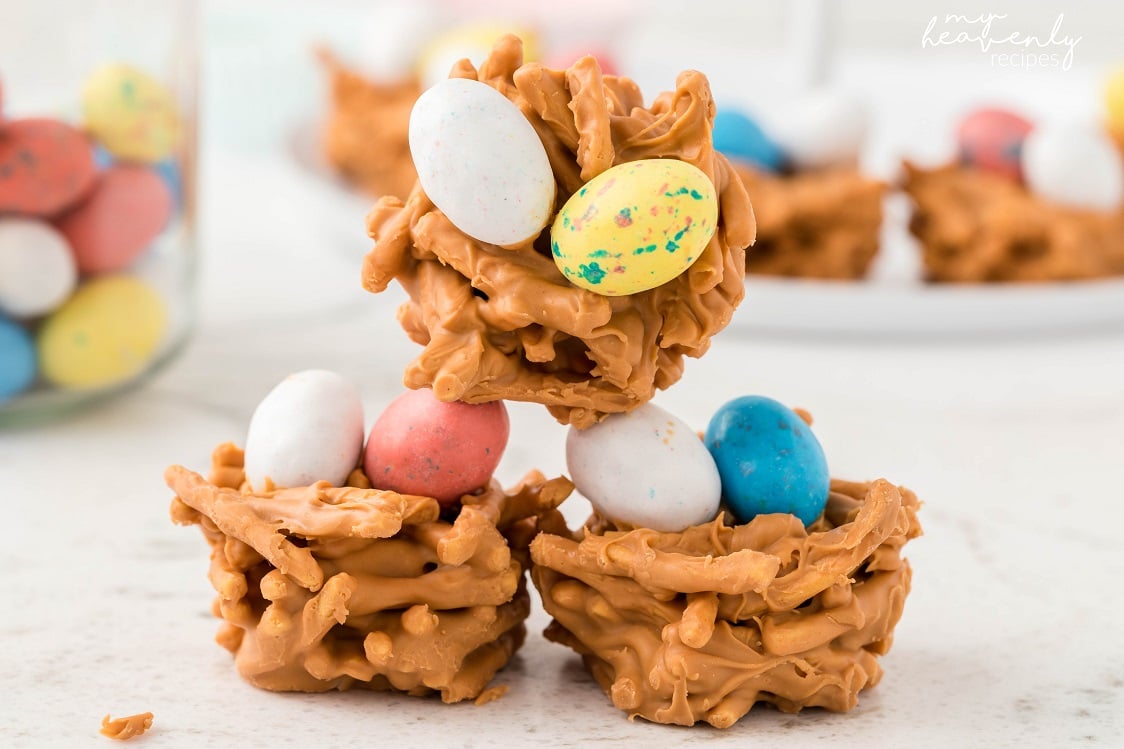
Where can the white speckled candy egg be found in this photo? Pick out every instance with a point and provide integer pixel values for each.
(308, 429)
(823, 128)
(645, 468)
(37, 269)
(480, 161)
(1074, 165)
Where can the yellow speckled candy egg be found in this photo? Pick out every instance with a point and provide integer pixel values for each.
(635, 226)
(131, 114)
(104, 334)
(1114, 101)
(474, 42)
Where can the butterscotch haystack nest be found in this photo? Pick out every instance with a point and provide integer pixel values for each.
(504, 322)
(366, 135)
(325, 588)
(822, 224)
(700, 625)
(978, 227)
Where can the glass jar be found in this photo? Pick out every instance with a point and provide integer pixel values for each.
(97, 197)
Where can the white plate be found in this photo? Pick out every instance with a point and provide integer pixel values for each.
(895, 301)
(874, 307)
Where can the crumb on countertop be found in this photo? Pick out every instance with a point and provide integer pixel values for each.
(491, 695)
(123, 729)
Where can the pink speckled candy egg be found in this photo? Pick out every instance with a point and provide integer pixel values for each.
(45, 166)
(129, 207)
(992, 140)
(420, 445)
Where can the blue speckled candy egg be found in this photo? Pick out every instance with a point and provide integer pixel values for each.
(17, 359)
(768, 459)
(739, 137)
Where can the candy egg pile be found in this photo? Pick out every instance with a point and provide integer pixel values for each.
(648, 469)
(309, 428)
(80, 206)
(1067, 164)
(821, 129)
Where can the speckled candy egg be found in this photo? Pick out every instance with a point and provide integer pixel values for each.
(645, 468)
(45, 166)
(769, 460)
(992, 140)
(17, 360)
(420, 445)
(127, 210)
(737, 136)
(821, 129)
(37, 270)
(473, 43)
(168, 169)
(565, 58)
(1075, 166)
(1114, 101)
(104, 334)
(131, 114)
(309, 428)
(480, 161)
(635, 226)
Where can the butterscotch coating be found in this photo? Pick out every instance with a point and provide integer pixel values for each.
(324, 588)
(978, 227)
(821, 224)
(703, 624)
(504, 323)
(366, 136)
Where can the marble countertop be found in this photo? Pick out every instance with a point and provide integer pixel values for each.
(1016, 445)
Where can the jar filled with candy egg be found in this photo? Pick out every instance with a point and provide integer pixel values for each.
(97, 175)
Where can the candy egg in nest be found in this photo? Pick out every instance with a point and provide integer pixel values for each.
(645, 468)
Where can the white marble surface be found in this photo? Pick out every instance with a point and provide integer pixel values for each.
(1010, 638)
